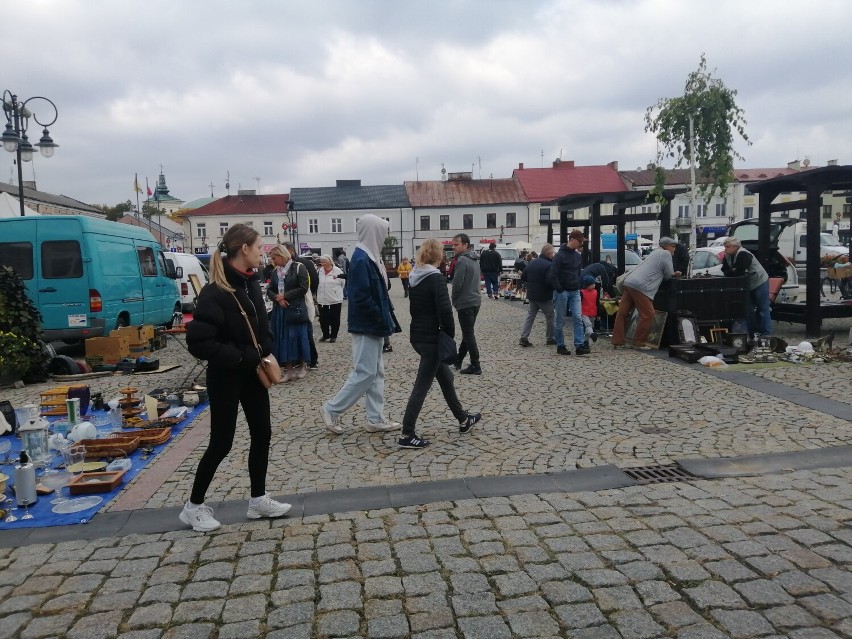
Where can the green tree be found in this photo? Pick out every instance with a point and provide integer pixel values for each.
(150, 210)
(116, 212)
(716, 119)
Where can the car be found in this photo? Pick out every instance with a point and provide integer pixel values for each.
(707, 260)
(631, 260)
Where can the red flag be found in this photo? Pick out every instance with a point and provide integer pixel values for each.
(150, 192)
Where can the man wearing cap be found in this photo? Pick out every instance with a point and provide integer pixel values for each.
(640, 287)
(565, 278)
(491, 263)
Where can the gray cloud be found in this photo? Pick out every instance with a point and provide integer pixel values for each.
(302, 93)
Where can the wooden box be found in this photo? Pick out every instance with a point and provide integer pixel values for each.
(110, 349)
(102, 482)
(137, 333)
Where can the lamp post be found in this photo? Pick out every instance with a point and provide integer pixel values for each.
(15, 136)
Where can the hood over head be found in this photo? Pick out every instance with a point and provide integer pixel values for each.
(372, 231)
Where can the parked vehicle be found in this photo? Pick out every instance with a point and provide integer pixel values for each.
(631, 260)
(190, 265)
(707, 260)
(88, 276)
(789, 236)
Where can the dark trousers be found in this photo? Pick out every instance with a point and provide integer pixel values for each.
(329, 317)
(492, 284)
(406, 286)
(430, 368)
(227, 392)
(467, 320)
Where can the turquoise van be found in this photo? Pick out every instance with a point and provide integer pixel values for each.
(89, 276)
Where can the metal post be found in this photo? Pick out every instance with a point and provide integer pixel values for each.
(692, 209)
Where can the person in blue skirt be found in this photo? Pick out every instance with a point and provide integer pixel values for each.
(289, 323)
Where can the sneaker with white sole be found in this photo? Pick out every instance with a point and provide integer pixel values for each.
(412, 441)
(265, 506)
(199, 517)
(332, 422)
(470, 420)
(383, 426)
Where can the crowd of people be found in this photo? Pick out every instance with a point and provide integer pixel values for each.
(233, 333)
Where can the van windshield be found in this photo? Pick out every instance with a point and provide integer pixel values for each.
(508, 253)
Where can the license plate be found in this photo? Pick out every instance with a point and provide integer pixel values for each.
(77, 321)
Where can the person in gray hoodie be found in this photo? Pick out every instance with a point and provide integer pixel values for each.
(466, 300)
(640, 287)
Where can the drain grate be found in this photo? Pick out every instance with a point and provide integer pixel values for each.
(658, 474)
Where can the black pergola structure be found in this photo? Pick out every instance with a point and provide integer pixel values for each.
(621, 201)
(813, 183)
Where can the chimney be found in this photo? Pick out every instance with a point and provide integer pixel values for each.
(613, 165)
(521, 166)
(829, 163)
(564, 164)
(341, 183)
(650, 166)
(794, 165)
(30, 184)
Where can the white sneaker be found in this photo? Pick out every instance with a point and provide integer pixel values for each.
(383, 426)
(200, 518)
(332, 422)
(266, 507)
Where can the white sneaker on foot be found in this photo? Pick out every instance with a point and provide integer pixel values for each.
(266, 507)
(383, 426)
(332, 422)
(200, 518)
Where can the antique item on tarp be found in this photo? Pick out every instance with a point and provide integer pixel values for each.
(34, 439)
(9, 414)
(736, 340)
(102, 482)
(25, 481)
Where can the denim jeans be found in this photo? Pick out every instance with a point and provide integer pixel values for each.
(491, 284)
(546, 309)
(467, 320)
(367, 379)
(430, 368)
(565, 301)
(759, 305)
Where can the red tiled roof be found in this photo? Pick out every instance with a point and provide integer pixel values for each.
(545, 185)
(464, 192)
(242, 205)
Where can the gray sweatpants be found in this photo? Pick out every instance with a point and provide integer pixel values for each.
(547, 309)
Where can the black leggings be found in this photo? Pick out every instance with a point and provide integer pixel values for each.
(227, 392)
(329, 317)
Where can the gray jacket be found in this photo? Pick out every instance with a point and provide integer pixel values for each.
(466, 278)
(647, 277)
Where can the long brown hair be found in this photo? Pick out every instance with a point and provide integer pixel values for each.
(233, 240)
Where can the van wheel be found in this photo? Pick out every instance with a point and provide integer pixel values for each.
(122, 322)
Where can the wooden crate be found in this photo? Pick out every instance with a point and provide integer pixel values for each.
(110, 349)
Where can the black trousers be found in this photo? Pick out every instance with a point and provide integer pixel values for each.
(430, 368)
(329, 318)
(405, 285)
(227, 392)
(467, 320)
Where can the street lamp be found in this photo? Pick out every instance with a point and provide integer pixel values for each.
(15, 136)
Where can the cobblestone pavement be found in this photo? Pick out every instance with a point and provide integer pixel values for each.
(749, 557)
(542, 412)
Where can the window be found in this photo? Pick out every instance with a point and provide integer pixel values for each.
(720, 209)
(146, 261)
(19, 256)
(425, 223)
(748, 212)
(847, 209)
(701, 210)
(544, 215)
(510, 220)
(467, 221)
(826, 210)
(444, 222)
(683, 210)
(491, 220)
(223, 228)
(267, 228)
(201, 230)
(313, 225)
(62, 260)
(337, 225)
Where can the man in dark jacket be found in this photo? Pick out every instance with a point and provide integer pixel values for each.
(680, 259)
(370, 320)
(466, 300)
(314, 281)
(536, 276)
(606, 273)
(565, 279)
(491, 263)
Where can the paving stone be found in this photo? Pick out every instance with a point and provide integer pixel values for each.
(96, 626)
(599, 578)
(158, 614)
(242, 630)
(291, 615)
(523, 604)
(730, 570)
(201, 590)
(50, 626)
(11, 624)
(483, 628)
(742, 623)
(238, 609)
(676, 614)
(475, 603)
(580, 561)
(785, 617)
(469, 582)
(208, 610)
(701, 631)
(559, 592)
(393, 627)
(638, 571)
(827, 607)
(340, 596)
(714, 594)
(597, 632)
(579, 615)
(762, 592)
(655, 592)
(798, 583)
(616, 598)
(383, 586)
(514, 584)
(686, 571)
(532, 624)
(636, 624)
(423, 584)
(342, 623)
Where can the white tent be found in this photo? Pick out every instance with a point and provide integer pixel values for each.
(11, 207)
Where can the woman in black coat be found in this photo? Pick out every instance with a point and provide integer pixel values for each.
(431, 312)
(229, 318)
(288, 286)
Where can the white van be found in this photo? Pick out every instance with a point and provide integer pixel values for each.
(790, 236)
(191, 265)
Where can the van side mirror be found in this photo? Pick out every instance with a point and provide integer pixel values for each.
(178, 272)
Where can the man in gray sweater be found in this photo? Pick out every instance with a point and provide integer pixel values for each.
(466, 300)
(640, 287)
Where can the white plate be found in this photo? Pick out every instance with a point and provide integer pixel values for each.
(77, 504)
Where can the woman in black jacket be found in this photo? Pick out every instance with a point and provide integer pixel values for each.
(431, 312)
(289, 286)
(230, 311)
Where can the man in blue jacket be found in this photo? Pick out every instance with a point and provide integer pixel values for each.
(539, 294)
(565, 279)
(370, 320)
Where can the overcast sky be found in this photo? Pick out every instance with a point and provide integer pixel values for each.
(301, 93)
